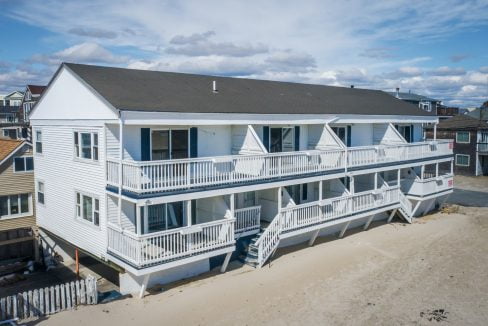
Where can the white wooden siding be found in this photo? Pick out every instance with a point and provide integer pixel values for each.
(62, 175)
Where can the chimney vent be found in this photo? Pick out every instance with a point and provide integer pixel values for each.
(352, 86)
(398, 92)
(214, 87)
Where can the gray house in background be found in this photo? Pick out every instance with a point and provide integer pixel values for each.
(425, 103)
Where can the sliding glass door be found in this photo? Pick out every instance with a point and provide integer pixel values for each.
(169, 144)
(282, 140)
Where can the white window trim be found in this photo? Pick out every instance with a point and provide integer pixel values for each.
(92, 142)
(456, 161)
(463, 142)
(25, 164)
(169, 141)
(36, 141)
(37, 192)
(28, 213)
(80, 217)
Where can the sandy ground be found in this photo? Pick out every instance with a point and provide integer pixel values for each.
(394, 274)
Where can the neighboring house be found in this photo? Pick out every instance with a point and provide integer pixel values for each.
(167, 175)
(11, 126)
(32, 94)
(446, 112)
(425, 103)
(479, 113)
(17, 208)
(11, 99)
(470, 145)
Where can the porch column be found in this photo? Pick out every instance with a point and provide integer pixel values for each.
(320, 189)
(398, 177)
(435, 131)
(146, 219)
(121, 157)
(188, 213)
(138, 220)
(279, 199)
(422, 170)
(232, 205)
(351, 184)
(452, 166)
(436, 170)
(375, 180)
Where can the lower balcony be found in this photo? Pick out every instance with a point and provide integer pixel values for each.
(141, 251)
(429, 185)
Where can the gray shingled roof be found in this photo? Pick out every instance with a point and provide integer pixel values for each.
(143, 90)
(413, 97)
(462, 122)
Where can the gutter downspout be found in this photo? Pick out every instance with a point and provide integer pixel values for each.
(121, 158)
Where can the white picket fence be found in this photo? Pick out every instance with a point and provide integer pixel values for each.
(49, 300)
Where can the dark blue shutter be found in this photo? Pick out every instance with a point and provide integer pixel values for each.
(193, 142)
(297, 138)
(411, 133)
(348, 141)
(145, 144)
(304, 191)
(266, 137)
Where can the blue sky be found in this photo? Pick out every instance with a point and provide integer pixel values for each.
(439, 48)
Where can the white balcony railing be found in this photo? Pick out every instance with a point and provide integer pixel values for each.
(366, 155)
(299, 216)
(247, 219)
(154, 176)
(161, 247)
(151, 176)
(428, 186)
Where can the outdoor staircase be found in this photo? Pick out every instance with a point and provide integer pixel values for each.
(250, 255)
(405, 210)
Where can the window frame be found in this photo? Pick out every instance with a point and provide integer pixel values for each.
(78, 146)
(170, 141)
(463, 142)
(38, 143)
(9, 215)
(459, 155)
(25, 164)
(95, 208)
(38, 192)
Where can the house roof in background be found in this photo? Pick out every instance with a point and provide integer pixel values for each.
(36, 89)
(413, 97)
(8, 147)
(156, 91)
(476, 113)
(462, 122)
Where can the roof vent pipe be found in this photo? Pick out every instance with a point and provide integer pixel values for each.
(398, 92)
(214, 87)
(352, 86)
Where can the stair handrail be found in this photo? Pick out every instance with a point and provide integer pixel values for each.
(406, 204)
(269, 239)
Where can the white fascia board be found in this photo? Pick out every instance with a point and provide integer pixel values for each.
(179, 118)
(356, 118)
(74, 122)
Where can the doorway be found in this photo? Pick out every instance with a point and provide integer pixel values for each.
(169, 144)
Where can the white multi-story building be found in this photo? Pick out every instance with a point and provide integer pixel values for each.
(166, 175)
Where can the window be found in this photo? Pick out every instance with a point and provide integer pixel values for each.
(38, 141)
(462, 137)
(23, 164)
(169, 144)
(86, 145)
(164, 216)
(88, 208)
(462, 160)
(15, 205)
(10, 133)
(282, 140)
(425, 106)
(40, 192)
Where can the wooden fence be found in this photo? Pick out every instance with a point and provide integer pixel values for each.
(48, 301)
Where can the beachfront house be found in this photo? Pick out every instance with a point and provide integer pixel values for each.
(166, 175)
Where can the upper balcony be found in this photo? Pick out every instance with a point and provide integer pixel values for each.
(270, 154)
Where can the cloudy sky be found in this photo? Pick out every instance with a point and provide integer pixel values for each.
(436, 48)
